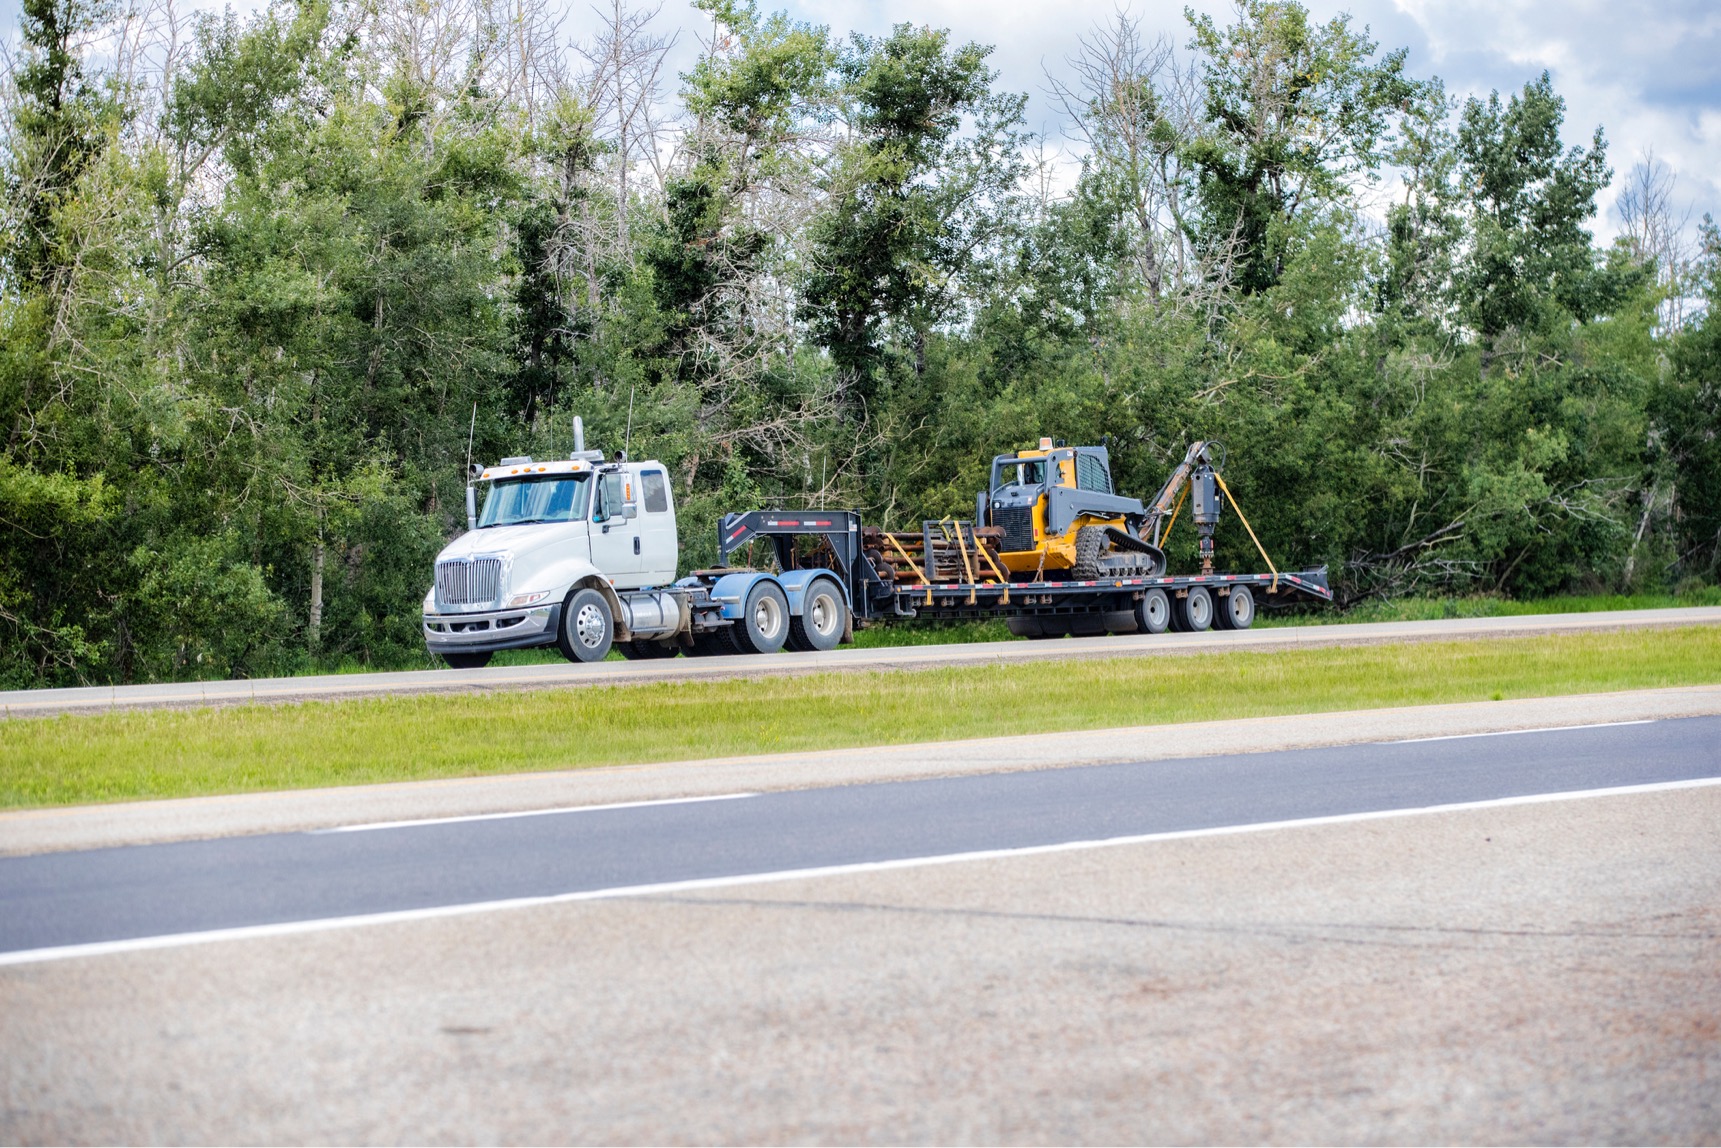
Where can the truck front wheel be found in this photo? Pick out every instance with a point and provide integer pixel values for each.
(587, 627)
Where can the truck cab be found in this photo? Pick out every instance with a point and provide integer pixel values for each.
(580, 553)
(546, 530)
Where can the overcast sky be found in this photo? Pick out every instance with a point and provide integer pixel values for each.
(1650, 74)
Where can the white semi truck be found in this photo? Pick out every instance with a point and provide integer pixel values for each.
(580, 553)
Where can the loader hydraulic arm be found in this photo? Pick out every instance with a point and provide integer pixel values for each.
(1197, 470)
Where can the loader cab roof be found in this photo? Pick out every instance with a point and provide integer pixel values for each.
(1083, 467)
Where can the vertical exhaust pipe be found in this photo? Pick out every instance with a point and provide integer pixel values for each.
(471, 507)
(579, 436)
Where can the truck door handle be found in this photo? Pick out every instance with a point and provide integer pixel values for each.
(636, 544)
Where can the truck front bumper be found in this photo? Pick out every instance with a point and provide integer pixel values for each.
(495, 630)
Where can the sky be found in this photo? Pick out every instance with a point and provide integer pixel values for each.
(1648, 73)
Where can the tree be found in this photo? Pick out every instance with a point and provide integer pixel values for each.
(1296, 114)
(1530, 260)
(909, 209)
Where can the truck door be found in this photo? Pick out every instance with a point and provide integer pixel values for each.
(656, 523)
(616, 549)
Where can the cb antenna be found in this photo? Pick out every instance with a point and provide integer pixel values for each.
(471, 429)
(627, 439)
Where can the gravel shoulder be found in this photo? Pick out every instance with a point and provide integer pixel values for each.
(1531, 974)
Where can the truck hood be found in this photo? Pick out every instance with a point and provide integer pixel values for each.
(514, 540)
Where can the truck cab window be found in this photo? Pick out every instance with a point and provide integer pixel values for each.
(656, 491)
(610, 498)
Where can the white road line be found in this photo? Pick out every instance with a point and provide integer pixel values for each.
(525, 813)
(1510, 732)
(399, 916)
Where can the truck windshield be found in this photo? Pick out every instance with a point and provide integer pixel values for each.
(552, 498)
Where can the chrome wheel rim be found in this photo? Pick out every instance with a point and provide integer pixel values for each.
(1157, 609)
(589, 625)
(767, 616)
(824, 614)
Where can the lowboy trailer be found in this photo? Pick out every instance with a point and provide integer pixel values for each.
(876, 590)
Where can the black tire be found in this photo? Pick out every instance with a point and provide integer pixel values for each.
(588, 627)
(646, 649)
(467, 661)
(713, 645)
(1194, 613)
(1236, 610)
(764, 624)
(823, 618)
(1153, 612)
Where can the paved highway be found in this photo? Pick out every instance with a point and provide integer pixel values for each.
(31, 703)
(1502, 938)
(107, 900)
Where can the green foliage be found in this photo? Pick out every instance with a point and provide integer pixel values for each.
(1528, 203)
(251, 312)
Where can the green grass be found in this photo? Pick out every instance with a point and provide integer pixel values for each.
(177, 753)
(1486, 606)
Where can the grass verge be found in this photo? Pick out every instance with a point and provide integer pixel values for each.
(182, 753)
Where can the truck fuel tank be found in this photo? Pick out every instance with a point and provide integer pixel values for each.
(653, 613)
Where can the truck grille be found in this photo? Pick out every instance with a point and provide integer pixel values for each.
(468, 581)
(1018, 524)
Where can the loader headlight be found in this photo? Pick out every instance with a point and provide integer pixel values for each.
(519, 600)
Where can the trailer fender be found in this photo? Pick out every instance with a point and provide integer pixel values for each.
(731, 590)
(796, 583)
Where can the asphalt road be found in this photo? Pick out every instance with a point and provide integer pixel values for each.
(52, 904)
(34, 703)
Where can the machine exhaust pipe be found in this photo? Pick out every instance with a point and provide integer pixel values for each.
(471, 507)
(579, 436)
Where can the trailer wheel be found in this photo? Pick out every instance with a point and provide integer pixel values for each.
(1236, 610)
(587, 627)
(1195, 613)
(467, 661)
(822, 621)
(764, 624)
(1153, 612)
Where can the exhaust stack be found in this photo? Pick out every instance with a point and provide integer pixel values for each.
(579, 436)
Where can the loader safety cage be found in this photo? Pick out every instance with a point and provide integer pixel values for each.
(840, 548)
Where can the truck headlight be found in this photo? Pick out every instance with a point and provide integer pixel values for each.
(519, 600)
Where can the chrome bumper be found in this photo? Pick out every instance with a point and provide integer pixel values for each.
(494, 630)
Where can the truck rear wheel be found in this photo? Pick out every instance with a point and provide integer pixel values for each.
(1153, 612)
(1236, 610)
(1194, 613)
(764, 624)
(822, 621)
(587, 627)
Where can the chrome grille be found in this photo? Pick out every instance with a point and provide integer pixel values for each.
(468, 581)
(1018, 524)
